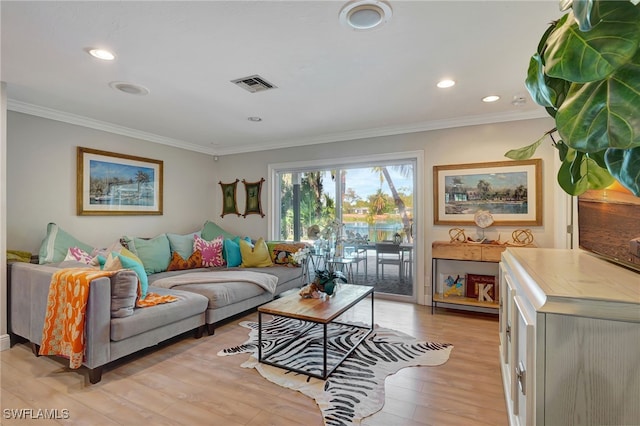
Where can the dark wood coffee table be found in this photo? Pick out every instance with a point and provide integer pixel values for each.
(322, 311)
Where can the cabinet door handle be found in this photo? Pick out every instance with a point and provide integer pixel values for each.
(507, 331)
(521, 377)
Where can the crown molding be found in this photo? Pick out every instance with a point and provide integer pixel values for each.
(388, 131)
(91, 123)
(78, 120)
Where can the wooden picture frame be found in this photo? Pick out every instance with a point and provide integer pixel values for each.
(510, 190)
(253, 192)
(229, 200)
(473, 281)
(108, 183)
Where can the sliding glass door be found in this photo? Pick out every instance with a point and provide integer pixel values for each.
(348, 210)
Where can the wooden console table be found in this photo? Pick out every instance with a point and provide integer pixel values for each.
(470, 252)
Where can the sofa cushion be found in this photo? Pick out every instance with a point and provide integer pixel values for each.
(231, 251)
(257, 256)
(124, 291)
(211, 251)
(282, 254)
(155, 253)
(152, 317)
(287, 277)
(178, 263)
(225, 294)
(211, 230)
(183, 244)
(56, 243)
(76, 253)
(116, 261)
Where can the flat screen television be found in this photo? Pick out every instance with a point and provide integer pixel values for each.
(609, 225)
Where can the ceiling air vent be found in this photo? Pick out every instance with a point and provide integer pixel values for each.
(253, 83)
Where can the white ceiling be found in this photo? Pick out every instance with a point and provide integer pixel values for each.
(333, 83)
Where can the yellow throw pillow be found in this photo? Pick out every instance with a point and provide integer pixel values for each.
(112, 263)
(128, 253)
(255, 257)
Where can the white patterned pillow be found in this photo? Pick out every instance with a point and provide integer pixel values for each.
(211, 251)
(76, 253)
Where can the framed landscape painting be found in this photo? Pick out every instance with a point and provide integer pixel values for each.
(117, 184)
(510, 190)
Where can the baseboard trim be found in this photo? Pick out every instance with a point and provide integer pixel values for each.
(5, 342)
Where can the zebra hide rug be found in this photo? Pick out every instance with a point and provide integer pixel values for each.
(355, 390)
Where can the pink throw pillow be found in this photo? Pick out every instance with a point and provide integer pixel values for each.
(76, 253)
(211, 251)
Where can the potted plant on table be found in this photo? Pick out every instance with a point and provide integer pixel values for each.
(324, 281)
(586, 73)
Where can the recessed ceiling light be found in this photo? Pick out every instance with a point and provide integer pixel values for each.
(365, 14)
(254, 119)
(102, 54)
(129, 88)
(443, 84)
(491, 98)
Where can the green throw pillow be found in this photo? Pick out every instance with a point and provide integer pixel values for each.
(182, 244)
(155, 253)
(55, 245)
(210, 231)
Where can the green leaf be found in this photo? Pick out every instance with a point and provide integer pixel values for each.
(546, 91)
(624, 165)
(579, 173)
(598, 157)
(566, 182)
(563, 149)
(585, 13)
(542, 44)
(538, 89)
(575, 168)
(525, 152)
(582, 57)
(600, 115)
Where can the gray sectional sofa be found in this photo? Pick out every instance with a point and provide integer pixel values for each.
(110, 336)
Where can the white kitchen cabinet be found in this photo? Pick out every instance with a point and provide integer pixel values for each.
(569, 338)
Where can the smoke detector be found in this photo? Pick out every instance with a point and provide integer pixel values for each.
(363, 15)
(254, 83)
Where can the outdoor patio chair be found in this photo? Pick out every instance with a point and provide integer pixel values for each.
(388, 254)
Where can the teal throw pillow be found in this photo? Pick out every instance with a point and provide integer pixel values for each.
(136, 267)
(155, 253)
(57, 242)
(210, 231)
(182, 244)
(231, 251)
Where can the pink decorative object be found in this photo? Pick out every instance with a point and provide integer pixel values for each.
(211, 250)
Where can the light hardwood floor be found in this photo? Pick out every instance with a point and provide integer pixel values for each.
(186, 383)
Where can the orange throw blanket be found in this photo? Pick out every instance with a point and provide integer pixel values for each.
(63, 331)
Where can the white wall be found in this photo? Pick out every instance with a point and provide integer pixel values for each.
(482, 143)
(4, 337)
(471, 144)
(41, 184)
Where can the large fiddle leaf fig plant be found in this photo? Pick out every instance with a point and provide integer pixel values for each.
(586, 73)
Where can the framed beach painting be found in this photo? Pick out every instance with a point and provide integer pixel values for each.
(511, 191)
(117, 184)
